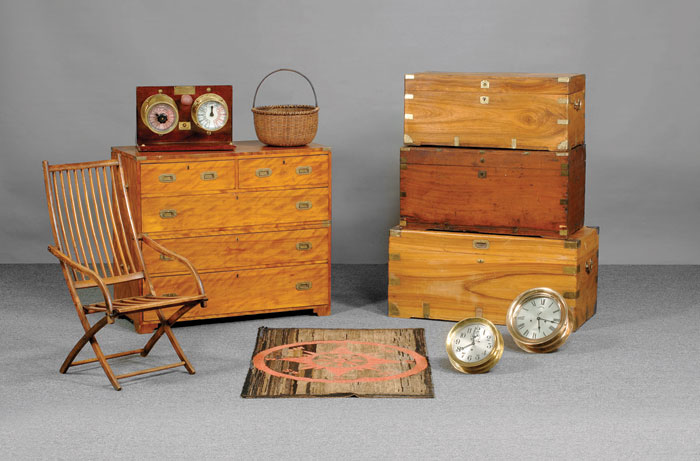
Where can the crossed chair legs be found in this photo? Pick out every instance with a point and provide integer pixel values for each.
(164, 327)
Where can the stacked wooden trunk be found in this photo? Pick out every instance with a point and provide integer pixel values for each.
(492, 196)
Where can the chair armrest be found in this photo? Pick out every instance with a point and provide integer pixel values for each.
(161, 249)
(87, 271)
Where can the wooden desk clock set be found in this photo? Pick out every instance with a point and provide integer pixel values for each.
(492, 187)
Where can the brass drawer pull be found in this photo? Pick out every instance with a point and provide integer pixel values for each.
(167, 214)
(303, 246)
(301, 170)
(167, 177)
(303, 286)
(208, 175)
(263, 172)
(577, 104)
(165, 257)
(481, 244)
(305, 205)
(589, 266)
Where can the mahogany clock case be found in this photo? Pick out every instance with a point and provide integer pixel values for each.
(186, 136)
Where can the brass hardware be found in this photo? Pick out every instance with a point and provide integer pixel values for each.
(456, 141)
(404, 149)
(304, 246)
(167, 177)
(141, 158)
(426, 310)
(402, 193)
(393, 310)
(203, 99)
(394, 257)
(167, 214)
(484, 84)
(563, 100)
(564, 201)
(564, 145)
(562, 154)
(408, 96)
(208, 175)
(589, 266)
(170, 295)
(184, 126)
(578, 104)
(563, 79)
(408, 116)
(165, 257)
(403, 166)
(572, 244)
(571, 270)
(394, 280)
(180, 90)
(407, 139)
(563, 232)
(480, 261)
(562, 122)
(402, 222)
(208, 89)
(409, 76)
(153, 100)
(478, 312)
(482, 160)
(571, 294)
(305, 205)
(263, 172)
(303, 286)
(481, 244)
(514, 143)
(565, 169)
(481, 174)
(402, 159)
(484, 99)
(394, 232)
(301, 170)
(327, 223)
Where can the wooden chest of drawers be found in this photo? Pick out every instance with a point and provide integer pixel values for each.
(254, 221)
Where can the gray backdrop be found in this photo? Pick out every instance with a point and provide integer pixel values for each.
(69, 71)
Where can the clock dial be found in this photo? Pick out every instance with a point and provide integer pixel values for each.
(538, 318)
(210, 112)
(474, 345)
(159, 114)
(473, 342)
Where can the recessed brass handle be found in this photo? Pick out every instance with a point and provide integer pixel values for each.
(301, 170)
(303, 246)
(305, 205)
(165, 257)
(208, 175)
(303, 286)
(578, 104)
(263, 172)
(167, 214)
(167, 177)
(589, 266)
(481, 244)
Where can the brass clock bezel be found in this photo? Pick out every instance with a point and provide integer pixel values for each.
(206, 97)
(159, 99)
(483, 365)
(554, 340)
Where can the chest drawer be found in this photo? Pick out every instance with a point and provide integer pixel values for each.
(250, 290)
(187, 177)
(311, 170)
(242, 250)
(214, 211)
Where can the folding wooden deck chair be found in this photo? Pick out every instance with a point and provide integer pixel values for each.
(96, 244)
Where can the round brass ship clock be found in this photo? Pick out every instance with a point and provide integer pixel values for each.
(539, 320)
(159, 113)
(210, 112)
(474, 345)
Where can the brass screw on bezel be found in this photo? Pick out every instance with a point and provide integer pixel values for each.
(483, 365)
(551, 342)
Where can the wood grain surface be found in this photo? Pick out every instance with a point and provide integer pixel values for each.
(453, 275)
(537, 193)
(291, 362)
(511, 111)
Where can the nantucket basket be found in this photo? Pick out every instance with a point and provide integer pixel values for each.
(289, 125)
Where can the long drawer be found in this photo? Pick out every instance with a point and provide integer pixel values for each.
(242, 250)
(209, 211)
(174, 178)
(303, 171)
(247, 291)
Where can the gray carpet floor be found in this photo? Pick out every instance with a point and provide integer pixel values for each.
(626, 385)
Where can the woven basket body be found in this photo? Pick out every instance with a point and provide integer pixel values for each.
(290, 125)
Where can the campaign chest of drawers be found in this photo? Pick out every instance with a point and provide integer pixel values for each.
(254, 221)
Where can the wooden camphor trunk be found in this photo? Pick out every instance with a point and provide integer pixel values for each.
(254, 221)
(454, 275)
(494, 191)
(495, 110)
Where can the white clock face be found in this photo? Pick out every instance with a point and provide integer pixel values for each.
(538, 318)
(212, 115)
(473, 342)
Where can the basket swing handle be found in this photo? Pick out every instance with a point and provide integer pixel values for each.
(287, 70)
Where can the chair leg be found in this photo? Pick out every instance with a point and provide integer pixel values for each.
(89, 336)
(173, 341)
(165, 328)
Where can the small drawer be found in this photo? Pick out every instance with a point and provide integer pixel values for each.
(241, 250)
(186, 177)
(310, 170)
(247, 291)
